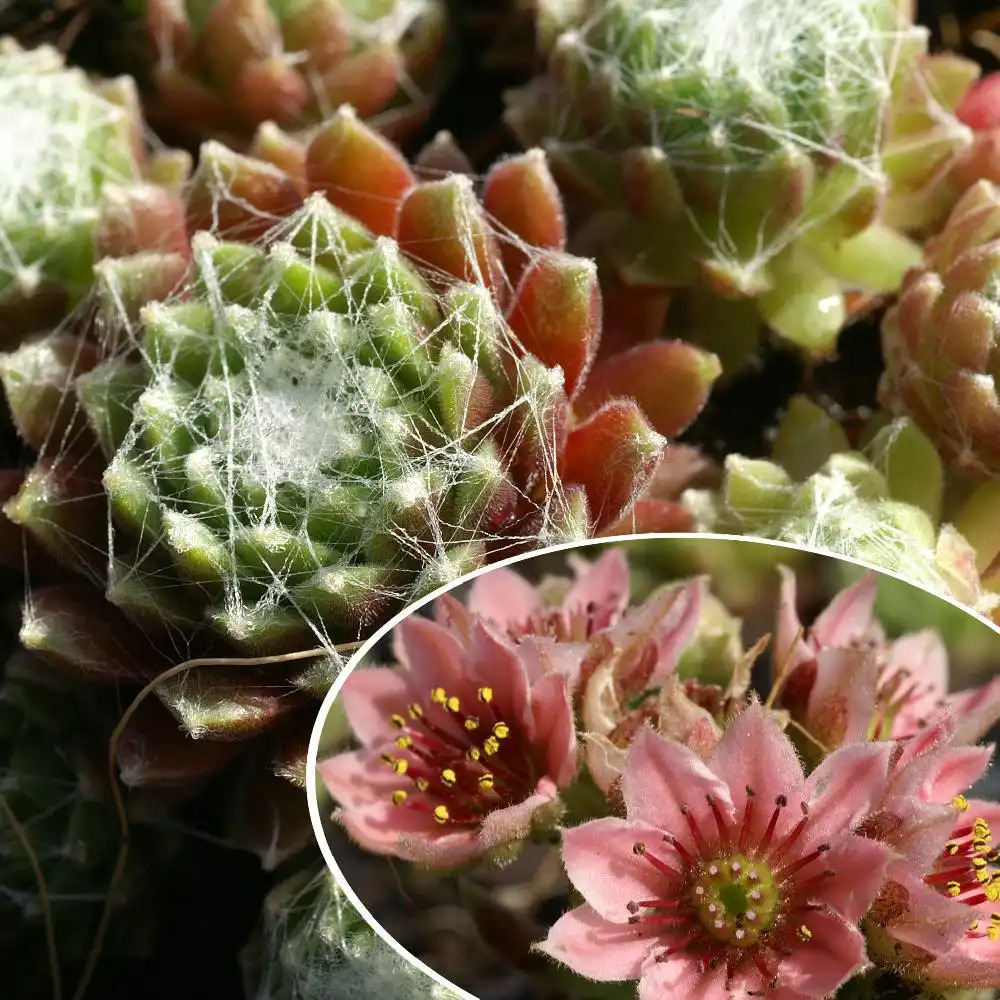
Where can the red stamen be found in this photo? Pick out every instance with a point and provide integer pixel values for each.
(779, 803)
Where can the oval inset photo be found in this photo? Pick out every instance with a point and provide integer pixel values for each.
(672, 767)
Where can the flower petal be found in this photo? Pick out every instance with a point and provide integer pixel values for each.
(662, 776)
(834, 952)
(513, 822)
(433, 656)
(843, 695)
(554, 726)
(371, 696)
(595, 948)
(357, 777)
(788, 647)
(849, 618)
(602, 864)
(504, 598)
(754, 752)
(680, 977)
(846, 786)
(977, 709)
(494, 663)
(860, 866)
(603, 585)
(925, 659)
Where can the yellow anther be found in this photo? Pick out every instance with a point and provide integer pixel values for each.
(441, 814)
(491, 745)
(984, 877)
(979, 862)
(439, 696)
(399, 797)
(474, 753)
(448, 777)
(416, 712)
(388, 758)
(993, 933)
(486, 780)
(404, 742)
(400, 766)
(501, 730)
(422, 784)
(398, 721)
(953, 889)
(471, 723)
(804, 933)
(951, 847)
(485, 694)
(452, 704)
(993, 893)
(961, 803)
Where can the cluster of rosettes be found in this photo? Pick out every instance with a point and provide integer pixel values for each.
(713, 861)
(222, 69)
(767, 153)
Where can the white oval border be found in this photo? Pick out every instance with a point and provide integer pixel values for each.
(352, 663)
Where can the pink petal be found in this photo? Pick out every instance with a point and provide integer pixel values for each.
(542, 655)
(371, 696)
(843, 695)
(789, 649)
(502, 826)
(602, 864)
(849, 617)
(835, 951)
(924, 657)
(973, 962)
(503, 597)
(860, 865)
(492, 662)
(754, 752)
(955, 771)
(977, 709)
(846, 786)
(357, 778)
(554, 725)
(594, 948)
(928, 919)
(454, 616)
(680, 978)
(661, 776)
(437, 850)
(433, 656)
(603, 584)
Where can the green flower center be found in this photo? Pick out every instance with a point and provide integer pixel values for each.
(735, 899)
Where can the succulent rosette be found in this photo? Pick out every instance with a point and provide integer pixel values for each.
(343, 386)
(762, 152)
(225, 67)
(75, 149)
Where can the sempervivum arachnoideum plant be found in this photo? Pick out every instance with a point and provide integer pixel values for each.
(885, 504)
(74, 148)
(759, 151)
(223, 67)
(339, 406)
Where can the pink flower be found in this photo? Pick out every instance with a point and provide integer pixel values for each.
(464, 747)
(843, 665)
(631, 681)
(594, 601)
(937, 917)
(733, 875)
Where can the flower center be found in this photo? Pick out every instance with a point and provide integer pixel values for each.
(893, 694)
(575, 624)
(737, 893)
(969, 869)
(462, 765)
(736, 899)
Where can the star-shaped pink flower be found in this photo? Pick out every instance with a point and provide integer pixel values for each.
(736, 875)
